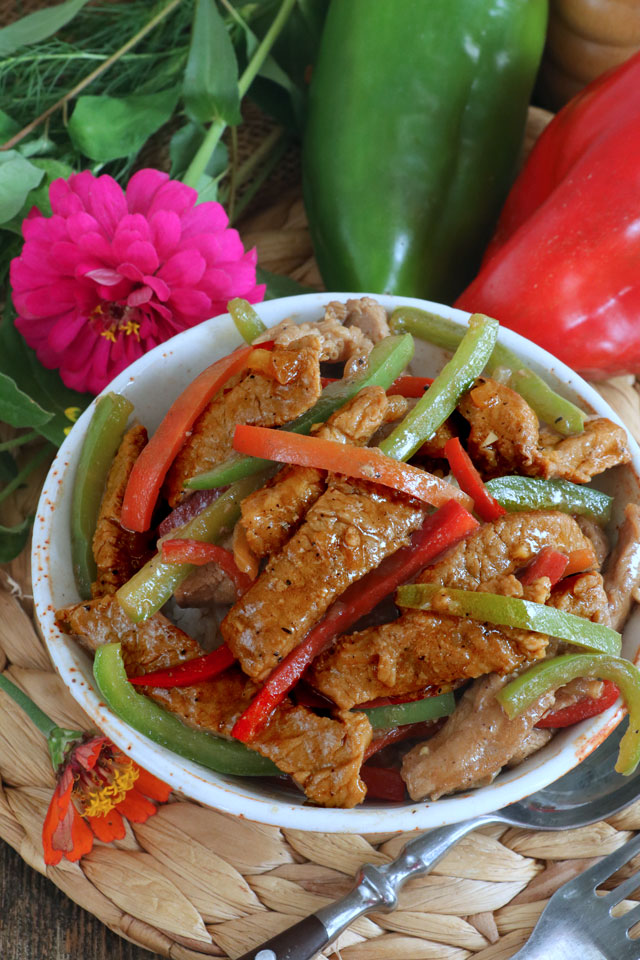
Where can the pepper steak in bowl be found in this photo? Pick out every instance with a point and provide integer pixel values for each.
(322, 590)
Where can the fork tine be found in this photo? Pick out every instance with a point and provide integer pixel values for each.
(601, 871)
(623, 889)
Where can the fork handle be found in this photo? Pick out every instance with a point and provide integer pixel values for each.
(377, 888)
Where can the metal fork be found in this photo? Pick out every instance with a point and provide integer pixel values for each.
(577, 923)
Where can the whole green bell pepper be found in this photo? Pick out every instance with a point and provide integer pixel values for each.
(414, 129)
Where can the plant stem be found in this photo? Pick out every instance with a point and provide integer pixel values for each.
(79, 87)
(199, 163)
(18, 480)
(44, 723)
(18, 441)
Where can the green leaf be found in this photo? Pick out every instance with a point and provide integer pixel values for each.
(210, 87)
(37, 147)
(44, 386)
(17, 177)
(39, 196)
(106, 128)
(37, 26)
(8, 467)
(278, 286)
(17, 409)
(8, 126)
(13, 540)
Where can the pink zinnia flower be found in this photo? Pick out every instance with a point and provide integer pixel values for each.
(113, 273)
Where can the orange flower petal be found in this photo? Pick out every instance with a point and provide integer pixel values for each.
(81, 837)
(108, 828)
(56, 813)
(151, 786)
(135, 807)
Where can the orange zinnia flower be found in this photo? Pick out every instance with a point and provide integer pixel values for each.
(97, 786)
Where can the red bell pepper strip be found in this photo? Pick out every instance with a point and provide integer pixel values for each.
(547, 563)
(579, 561)
(383, 783)
(407, 386)
(190, 672)
(589, 707)
(562, 267)
(152, 465)
(366, 463)
(469, 480)
(200, 553)
(440, 530)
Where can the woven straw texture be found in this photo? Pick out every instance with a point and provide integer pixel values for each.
(193, 883)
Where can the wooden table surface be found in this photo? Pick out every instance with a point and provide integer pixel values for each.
(38, 922)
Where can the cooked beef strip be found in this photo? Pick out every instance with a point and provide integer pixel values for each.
(118, 553)
(503, 546)
(206, 586)
(433, 448)
(369, 316)
(622, 577)
(583, 595)
(346, 533)
(342, 340)
(419, 650)
(322, 754)
(154, 644)
(505, 438)
(254, 399)
(271, 514)
(597, 536)
(534, 741)
(475, 743)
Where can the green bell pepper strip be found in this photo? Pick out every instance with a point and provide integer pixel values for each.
(416, 711)
(412, 138)
(557, 411)
(534, 493)
(513, 612)
(101, 443)
(147, 717)
(246, 319)
(386, 361)
(442, 397)
(153, 585)
(551, 674)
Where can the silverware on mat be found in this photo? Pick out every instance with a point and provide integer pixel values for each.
(589, 793)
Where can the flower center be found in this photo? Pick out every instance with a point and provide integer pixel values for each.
(112, 319)
(102, 798)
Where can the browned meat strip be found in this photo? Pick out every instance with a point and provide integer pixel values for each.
(533, 742)
(505, 438)
(270, 515)
(154, 644)
(322, 754)
(622, 579)
(502, 547)
(342, 339)
(583, 595)
(118, 553)
(434, 447)
(598, 537)
(474, 744)
(346, 533)
(205, 586)
(255, 399)
(418, 650)
(369, 316)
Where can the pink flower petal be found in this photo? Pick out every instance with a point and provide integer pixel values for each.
(139, 296)
(175, 196)
(97, 246)
(158, 286)
(207, 217)
(143, 255)
(142, 188)
(107, 203)
(190, 302)
(63, 199)
(131, 272)
(183, 269)
(64, 332)
(105, 277)
(79, 223)
(166, 232)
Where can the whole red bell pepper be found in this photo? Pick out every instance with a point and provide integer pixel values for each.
(562, 267)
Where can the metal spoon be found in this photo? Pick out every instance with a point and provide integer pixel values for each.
(589, 793)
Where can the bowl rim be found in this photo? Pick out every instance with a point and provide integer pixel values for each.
(230, 794)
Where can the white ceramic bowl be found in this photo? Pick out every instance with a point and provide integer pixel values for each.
(151, 384)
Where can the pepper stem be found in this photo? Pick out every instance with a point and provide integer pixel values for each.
(58, 738)
(199, 163)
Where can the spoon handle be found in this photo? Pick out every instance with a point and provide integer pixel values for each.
(376, 888)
